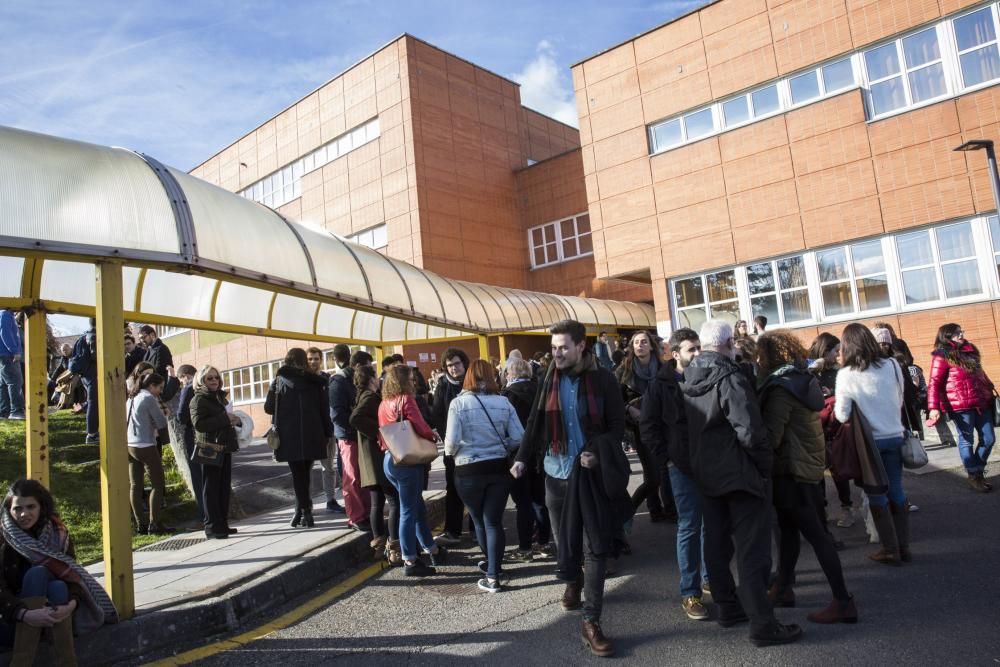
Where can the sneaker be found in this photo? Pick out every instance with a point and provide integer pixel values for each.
(916, 508)
(489, 585)
(448, 539)
(846, 519)
(439, 557)
(92, 439)
(705, 588)
(520, 555)
(544, 551)
(694, 609)
(335, 507)
(17, 416)
(776, 634)
(418, 568)
(159, 529)
(363, 527)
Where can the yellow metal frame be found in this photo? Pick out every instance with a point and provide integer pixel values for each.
(36, 397)
(484, 347)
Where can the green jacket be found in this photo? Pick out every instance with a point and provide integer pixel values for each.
(790, 401)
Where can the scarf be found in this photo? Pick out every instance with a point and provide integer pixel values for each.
(49, 550)
(647, 374)
(553, 407)
(966, 357)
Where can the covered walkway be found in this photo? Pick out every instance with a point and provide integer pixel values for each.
(105, 232)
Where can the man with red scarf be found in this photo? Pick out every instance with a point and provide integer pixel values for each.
(575, 432)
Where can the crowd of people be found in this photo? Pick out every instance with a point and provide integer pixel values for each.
(735, 435)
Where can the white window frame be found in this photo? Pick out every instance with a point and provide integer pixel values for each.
(953, 35)
(938, 265)
(560, 256)
(852, 280)
(778, 291)
(368, 237)
(706, 303)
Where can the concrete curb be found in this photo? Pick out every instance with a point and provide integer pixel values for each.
(234, 609)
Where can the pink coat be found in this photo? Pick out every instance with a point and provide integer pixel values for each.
(953, 388)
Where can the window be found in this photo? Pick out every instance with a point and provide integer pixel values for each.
(765, 101)
(250, 383)
(165, 331)
(285, 184)
(976, 39)
(666, 135)
(560, 241)
(374, 237)
(838, 75)
(995, 236)
(779, 290)
(853, 278)
(804, 87)
(694, 306)
(905, 72)
(736, 111)
(938, 264)
(698, 124)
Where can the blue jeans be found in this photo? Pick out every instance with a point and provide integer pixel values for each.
(690, 533)
(413, 528)
(90, 385)
(11, 387)
(485, 496)
(968, 423)
(38, 582)
(891, 451)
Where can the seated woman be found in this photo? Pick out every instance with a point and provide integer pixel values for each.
(41, 585)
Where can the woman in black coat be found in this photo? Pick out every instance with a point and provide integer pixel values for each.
(214, 424)
(298, 404)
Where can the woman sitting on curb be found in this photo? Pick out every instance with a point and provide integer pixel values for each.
(41, 584)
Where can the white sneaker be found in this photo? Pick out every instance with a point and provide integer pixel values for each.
(846, 519)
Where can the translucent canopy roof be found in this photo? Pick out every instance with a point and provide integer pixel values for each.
(197, 255)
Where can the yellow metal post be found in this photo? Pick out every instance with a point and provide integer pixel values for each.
(36, 393)
(484, 347)
(502, 340)
(115, 510)
(379, 356)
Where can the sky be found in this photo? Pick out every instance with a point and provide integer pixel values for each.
(181, 80)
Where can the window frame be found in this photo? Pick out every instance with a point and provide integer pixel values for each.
(852, 280)
(953, 35)
(559, 241)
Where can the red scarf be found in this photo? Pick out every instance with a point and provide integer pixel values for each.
(553, 408)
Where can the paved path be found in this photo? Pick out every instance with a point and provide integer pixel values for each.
(942, 609)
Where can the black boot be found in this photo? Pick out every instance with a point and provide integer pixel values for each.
(307, 517)
(297, 517)
(889, 553)
(901, 521)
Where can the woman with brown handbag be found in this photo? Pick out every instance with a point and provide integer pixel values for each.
(399, 403)
(213, 423)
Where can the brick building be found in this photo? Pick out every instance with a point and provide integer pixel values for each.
(431, 160)
(794, 158)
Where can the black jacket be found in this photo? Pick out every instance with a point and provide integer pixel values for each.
(663, 423)
(13, 567)
(133, 358)
(184, 415)
(299, 407)
(209, 417)
(521, 395)
(444, 393)
(159, 356)
(364, 419)
(728, 441)
(342, 396)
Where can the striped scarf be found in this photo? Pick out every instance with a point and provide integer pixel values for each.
(553, 407)
(49, 550)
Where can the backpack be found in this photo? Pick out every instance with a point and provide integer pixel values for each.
(82, 361)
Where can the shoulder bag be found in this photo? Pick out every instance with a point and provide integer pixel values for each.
(406, 447)
(913, 452)
(273, 442)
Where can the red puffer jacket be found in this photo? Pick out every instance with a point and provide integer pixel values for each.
(953, 388)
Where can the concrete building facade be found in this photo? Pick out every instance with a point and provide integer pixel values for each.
(795, 159)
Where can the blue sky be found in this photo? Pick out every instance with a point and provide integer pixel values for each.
(180, 80)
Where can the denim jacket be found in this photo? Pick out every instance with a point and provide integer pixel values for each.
(470, 435)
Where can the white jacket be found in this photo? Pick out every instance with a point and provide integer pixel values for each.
(878, 391)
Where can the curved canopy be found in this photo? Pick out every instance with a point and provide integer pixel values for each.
(197, 255)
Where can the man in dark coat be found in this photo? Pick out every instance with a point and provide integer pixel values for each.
(575, 430)
(454, 363)
(157, 353)
(731, 461)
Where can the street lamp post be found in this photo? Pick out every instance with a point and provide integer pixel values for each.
(991, 160)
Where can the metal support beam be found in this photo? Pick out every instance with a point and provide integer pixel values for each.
(115, 510)
(502, 340)
(36, 394)
(484, 347)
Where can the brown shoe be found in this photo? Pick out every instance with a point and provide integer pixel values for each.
(571, 596)
(836, 612)
(976, 483)
(889, 553)
(694, 609)
(594, 639)
(780, 597)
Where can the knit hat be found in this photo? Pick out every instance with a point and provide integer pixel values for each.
(882, 336)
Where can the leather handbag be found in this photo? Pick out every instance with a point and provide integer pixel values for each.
(273, 441)
(406, 447)
(913, 452)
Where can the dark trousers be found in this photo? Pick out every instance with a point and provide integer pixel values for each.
(485, 496)
(594, 568)
(655, 488)
(799, 506)
(528, 493)
(453, 507)
(301, 477)
(90, 386)
(216, 489)
(382, 496)
(197, 483)
(739, 523)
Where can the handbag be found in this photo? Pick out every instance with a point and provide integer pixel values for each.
(913, 453)
(207, 455)
(406, 447)
(273, 441)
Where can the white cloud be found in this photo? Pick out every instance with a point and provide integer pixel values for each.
(545, 86)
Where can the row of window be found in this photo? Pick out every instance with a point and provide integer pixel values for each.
(955, 262)
(560, 241)
(285, 184)
(373, 237)
(949, 58)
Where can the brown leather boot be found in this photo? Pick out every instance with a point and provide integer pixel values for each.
(26, 637)
(889, 553)
(62, 638)
(594, 639)
(901, 521)
(572, 594)
(836, 612)
(976, 483)
(393, 553)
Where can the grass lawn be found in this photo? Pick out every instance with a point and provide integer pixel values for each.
(75, 481)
